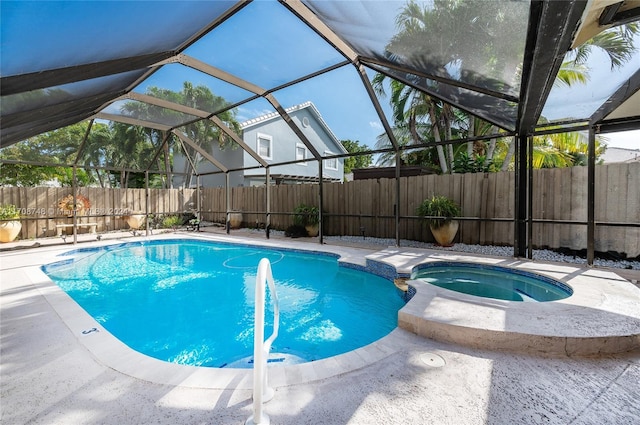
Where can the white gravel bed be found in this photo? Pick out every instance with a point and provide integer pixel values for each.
(500, 251)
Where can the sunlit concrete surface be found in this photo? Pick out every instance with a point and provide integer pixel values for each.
(52, 373)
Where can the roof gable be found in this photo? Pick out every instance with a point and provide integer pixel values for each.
(308, 106)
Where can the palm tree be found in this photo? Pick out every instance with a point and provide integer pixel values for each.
(428, 35)
(95, 152)
(617, 42)
(562, 150)
(402, 134)
(411, 107)
(204, 133)
(130, 150)
(567, 149)
(422, 114)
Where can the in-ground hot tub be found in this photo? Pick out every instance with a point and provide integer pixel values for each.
(597, 315)
(491, 281)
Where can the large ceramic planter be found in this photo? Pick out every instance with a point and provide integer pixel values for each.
(9, 230)
(135, 221)
(445, 234)
(312, 230)
(235, 220)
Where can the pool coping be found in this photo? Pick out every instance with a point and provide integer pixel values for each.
(414, 316)
(551, 328)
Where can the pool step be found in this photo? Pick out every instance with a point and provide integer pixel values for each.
(284, 359)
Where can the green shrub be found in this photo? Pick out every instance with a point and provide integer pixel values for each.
(171, 221)
(9, 212)
(306, 215)
(438, 206)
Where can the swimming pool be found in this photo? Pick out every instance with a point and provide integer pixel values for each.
(492, 281)
(191, 302)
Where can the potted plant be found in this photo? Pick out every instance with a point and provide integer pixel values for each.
(9, 225)
(439, 211)
(307, 216)
(235, 219)
(135, 220)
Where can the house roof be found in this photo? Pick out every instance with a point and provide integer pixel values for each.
(613, 155)
(306, 105)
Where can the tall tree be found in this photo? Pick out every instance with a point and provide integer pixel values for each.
(415, 114)
(361, 161)
(562, 150)
(437, 30)
(619, 46)
(96, 151)
(458, 41)
(131, 149)
(53, 147)
(204, 133)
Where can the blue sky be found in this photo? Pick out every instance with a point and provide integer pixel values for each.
(277, 48)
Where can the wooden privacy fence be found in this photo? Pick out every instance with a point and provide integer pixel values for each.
(40, 213)
(368, 206)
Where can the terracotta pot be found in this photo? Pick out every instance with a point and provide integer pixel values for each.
(445, 234)
(135, 221)
(312, 230)
(9, 230)
(235, 220)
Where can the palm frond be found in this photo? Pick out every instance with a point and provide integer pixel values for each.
(571, 73)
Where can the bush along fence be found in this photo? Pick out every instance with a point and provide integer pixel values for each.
(367, 207)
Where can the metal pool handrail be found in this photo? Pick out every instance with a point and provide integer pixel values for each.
(261, 348)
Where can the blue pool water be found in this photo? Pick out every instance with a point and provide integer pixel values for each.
(492, 281)
(191, 302)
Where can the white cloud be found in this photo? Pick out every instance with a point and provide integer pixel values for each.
(626, 139)
(376, 125)
(245, 114)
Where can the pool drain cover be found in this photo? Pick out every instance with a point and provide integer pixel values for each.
(433, 360)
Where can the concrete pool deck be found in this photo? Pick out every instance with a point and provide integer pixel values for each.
(52, 373)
